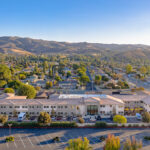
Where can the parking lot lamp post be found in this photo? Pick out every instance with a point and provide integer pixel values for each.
(9, 128)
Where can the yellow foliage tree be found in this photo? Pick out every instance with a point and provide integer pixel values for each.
(79, 144)
(112, 143)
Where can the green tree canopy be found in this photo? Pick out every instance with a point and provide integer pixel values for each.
(5, 73)
(27, 90)
(2, 83)
(98, 79)
(84, 79)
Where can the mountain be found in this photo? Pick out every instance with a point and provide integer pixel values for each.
(28, 46)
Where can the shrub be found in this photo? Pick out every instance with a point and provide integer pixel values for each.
(63, 124)
(132, 144)
(56, 139)
(81, 120)
(10, 139)
(101, 124)
(146, 117)
(9, 90)
(78, 144)
(119, 119)
(22, 124)
(146, 137)
(102, 138)
(112, 143)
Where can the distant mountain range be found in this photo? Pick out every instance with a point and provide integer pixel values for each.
(28, 46)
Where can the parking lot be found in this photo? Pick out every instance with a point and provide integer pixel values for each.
(41, 139)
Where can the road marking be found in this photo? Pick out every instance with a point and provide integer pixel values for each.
(52, 139)
(38, 141)
(6, 142)
(29, 140)
(46, 141)
(15, 144)
(21, 140)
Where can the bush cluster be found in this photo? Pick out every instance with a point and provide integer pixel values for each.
(10, 139)
(101, 124)
(63, 124)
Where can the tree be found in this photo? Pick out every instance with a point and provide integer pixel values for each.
(9, 90)
(2, 83)
(146, 117)
(58, 78)
(132, 144)
(5, 73)
(78, 144)
(45, 66)
(3, 119)
(15, 84)
(84, 79)
(128, 69)
(27, 90)
(44, 118)
(119, 119)
(49, 84)
(112, 143)
(22, 76)
(81, 120)
(98, 79)
(143, 70)
(68, 74)
(53, 112)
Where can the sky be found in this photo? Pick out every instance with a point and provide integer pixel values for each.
(101, 21)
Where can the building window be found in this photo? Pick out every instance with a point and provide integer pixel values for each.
(10, 106)
(17, 106)
(61, 106)
(92, 109)
(66, 107)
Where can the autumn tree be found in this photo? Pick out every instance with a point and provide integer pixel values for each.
(112, 143)
(132, 144)
(44, 118)
(79, 144)
(128, 69)
(119, 119)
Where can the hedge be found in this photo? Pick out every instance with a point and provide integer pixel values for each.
(101, 124)
(22, 124)
(35, 124)
(63, 124)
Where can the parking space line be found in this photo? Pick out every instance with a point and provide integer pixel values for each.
(15, 144)
(52, 138)
(6, 142)
(38, 141)
(29, 140)
(46, 141)
(21, 140)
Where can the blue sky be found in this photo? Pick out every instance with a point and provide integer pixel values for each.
(103, 21)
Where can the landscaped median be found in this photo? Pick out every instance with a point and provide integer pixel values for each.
(67, 124)
(15, 124)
